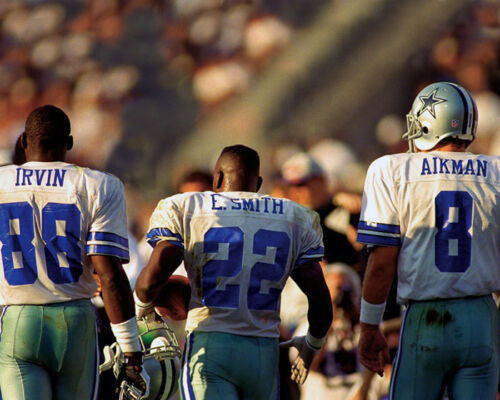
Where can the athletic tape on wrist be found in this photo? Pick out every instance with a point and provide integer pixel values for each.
(314, 342)
(140, 303)
(127, 335)
(371, 313)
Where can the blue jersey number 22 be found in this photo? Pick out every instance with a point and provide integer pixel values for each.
(213, 270)
(453, 241)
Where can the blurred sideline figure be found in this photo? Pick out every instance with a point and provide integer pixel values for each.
(433, 214)
(336, 371)
(195, 180)
(53, 215)
(239, 248)
(307, 185)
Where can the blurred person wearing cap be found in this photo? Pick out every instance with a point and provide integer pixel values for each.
(307, 185)
(336, 371)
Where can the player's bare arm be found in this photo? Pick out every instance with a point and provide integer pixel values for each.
(115, 288)
(380, 270)
(309, 277)
(165, 258)
(119, 305)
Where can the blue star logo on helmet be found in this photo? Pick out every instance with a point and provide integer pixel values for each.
(429, 102)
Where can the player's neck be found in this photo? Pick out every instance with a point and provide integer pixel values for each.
(41, 156)
(451, 147)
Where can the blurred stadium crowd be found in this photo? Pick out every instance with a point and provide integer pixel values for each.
(96, 59)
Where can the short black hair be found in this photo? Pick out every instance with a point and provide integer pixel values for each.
(247, 156)
(48, 125)
(454, 140)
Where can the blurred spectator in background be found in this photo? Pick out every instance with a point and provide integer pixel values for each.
(195, 181)
(307, 185)
(336, 372)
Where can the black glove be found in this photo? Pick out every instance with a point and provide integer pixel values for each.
(133, 380)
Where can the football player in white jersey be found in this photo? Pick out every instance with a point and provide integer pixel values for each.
(57, 220)
(433, 215)
(239, 248)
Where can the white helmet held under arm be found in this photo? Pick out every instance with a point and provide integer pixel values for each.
(161, 360)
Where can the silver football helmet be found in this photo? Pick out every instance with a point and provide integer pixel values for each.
(161, 359)
(440, 110)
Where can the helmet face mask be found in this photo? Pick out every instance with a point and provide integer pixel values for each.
(161, 358)
(441, 110)
(157, 339)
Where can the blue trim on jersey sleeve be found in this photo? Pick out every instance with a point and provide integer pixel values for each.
(154, 241)
(372, 226)
(108, 237)
(156, 235)
(378, 240)
(315, 253)
(107, 250)
(163, 232)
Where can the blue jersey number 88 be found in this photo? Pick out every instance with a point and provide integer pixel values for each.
(17, 233)
(214, 269)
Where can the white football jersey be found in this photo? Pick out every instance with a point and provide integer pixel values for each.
(52, 215)
(239, 250)
(443, 209)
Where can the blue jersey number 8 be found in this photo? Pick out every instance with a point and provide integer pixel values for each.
(17, 234)
(453, 241)
(213, 270)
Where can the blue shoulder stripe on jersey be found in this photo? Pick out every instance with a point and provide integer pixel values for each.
(108, 237)
(107, 250)
(378, 240)
(163, 232)
(154, 241)
(372, 226)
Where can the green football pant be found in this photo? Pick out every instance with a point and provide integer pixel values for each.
(450, 344)
(49, 352)
(218, 366)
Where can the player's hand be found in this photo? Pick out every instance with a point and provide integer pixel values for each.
(133, 380)
(142, 309)
(301, 365)
(372, 348)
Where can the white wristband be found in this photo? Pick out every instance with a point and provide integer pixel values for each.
(127, 335)
(140, 303)
(314, 342)
(371, 313)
